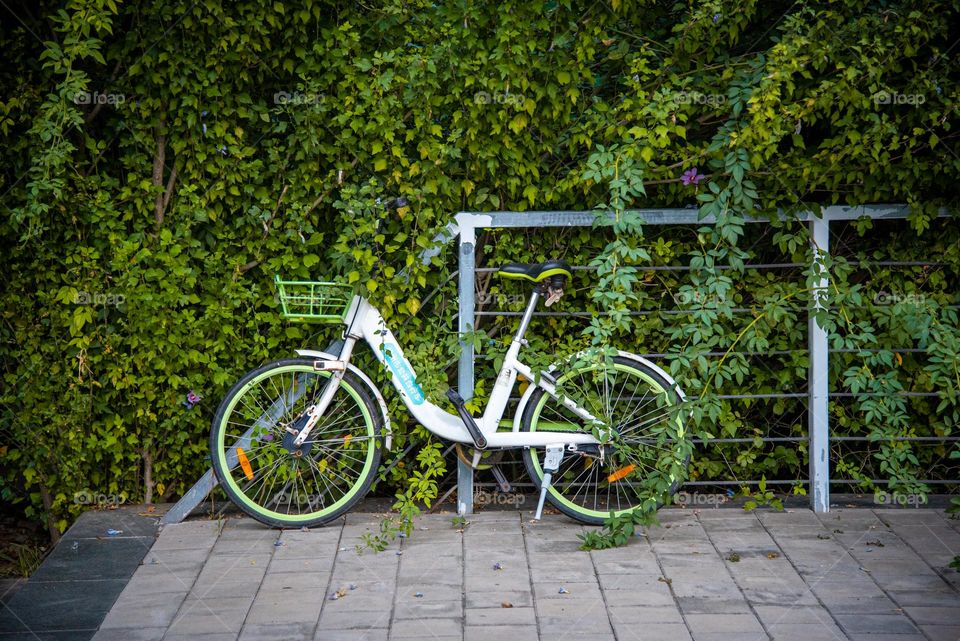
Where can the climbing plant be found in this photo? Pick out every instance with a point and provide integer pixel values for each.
(162, 160)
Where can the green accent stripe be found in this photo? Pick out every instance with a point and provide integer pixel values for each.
(556, 271)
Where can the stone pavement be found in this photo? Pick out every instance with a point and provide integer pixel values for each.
(710, 575)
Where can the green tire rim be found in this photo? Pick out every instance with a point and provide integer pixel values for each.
(535, 459)
(282, 516)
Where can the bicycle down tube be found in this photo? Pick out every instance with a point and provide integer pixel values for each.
(364, 321)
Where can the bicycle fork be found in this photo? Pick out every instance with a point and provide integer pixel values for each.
(551, 463)
(315, 412)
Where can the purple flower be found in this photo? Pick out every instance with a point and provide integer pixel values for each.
(716, 17)
(192, 399)
(691, 177)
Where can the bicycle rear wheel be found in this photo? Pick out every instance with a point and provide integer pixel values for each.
(273, 480)
(647, 465)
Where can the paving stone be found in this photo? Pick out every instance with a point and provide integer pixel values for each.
(236, 582)
(873, 636)
(281, 631)
(574, 591)
(802, 615)
(280, 582)
(200, 636)
(315, 564)
(146, 581)
(66, 605)
(304, 609)
(875, 623)
(909, 581)
(187, 535)
(112, 558)
(701, 605)
(180, 574)
(710, 627)
(353, 619)
(776, 589)
(496, 632)
(942, 632)
(427, 628)
(500, 616)
(933, 615)
(651, 632)
(418, 608)
(942, 597)
(130, 634)
(39, 635)
(378, 634)
(806, 632)
(497, 581)
(494, 599)
(643, 614)
(199, 622)
(133, 610)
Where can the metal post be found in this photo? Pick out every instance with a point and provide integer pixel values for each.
(818, 425)
(465, 372)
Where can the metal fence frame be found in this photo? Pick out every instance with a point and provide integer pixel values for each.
(467, 224)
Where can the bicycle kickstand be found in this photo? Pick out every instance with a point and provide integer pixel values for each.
(551, 463)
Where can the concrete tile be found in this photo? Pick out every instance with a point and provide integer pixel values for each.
(378, 634)
(130, 634)
(280, 631)
(495, 632)
(864, 623)
(515, 616)
(152, 610)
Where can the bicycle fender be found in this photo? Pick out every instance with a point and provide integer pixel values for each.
(309, 353)
(518, 417)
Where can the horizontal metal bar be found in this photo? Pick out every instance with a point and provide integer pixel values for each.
(512, 219)
(682, 268)
(924, 439)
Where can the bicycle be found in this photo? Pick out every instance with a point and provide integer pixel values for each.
(298, 442)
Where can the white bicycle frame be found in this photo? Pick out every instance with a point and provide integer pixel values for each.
(364, 321)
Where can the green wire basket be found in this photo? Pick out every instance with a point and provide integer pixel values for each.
(308, 301)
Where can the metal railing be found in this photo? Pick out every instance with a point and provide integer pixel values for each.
(466, 225)
(818, 393)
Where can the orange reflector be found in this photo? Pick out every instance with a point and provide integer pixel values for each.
(619, 474)
(245, 463)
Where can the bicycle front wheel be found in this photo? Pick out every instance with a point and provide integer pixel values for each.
(270, 478)
(639, 468)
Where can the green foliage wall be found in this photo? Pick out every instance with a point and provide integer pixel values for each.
(162, 160)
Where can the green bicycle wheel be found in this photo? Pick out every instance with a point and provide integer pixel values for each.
(270, 478)
(639, 468)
